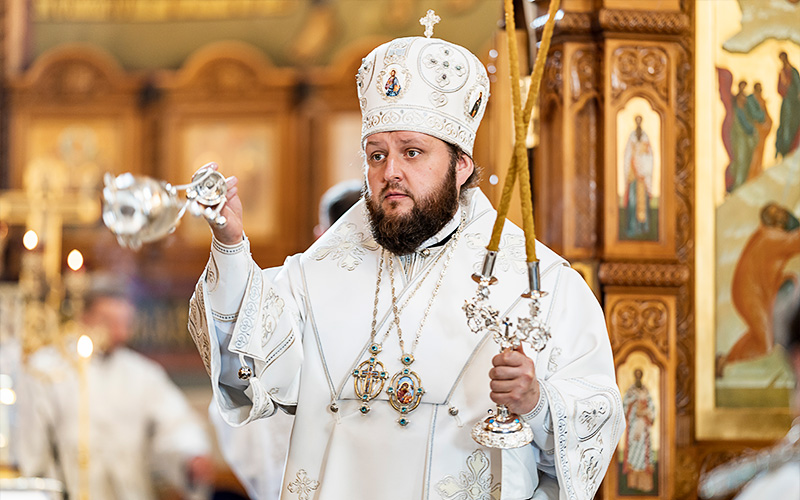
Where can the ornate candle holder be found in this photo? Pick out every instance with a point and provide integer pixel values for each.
(140, 209)
(502, 428)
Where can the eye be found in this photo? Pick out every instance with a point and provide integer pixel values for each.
(413, 153)
(376, 157)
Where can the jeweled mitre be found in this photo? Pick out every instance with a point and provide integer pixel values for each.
(423, 85)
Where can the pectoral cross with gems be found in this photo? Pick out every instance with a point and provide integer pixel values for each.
(369, 378)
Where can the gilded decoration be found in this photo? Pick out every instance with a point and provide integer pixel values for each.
(635, 274)
(639, 320)
(570, 23)
(633, 67)
(226, 76)
(75, 74)
(684, 205)
(553, 79)
(77, 80)
(744, 263)
(584, 69)
(198, 326)
(586, 120)
(686, 474)
(640, 21)
(157, 10)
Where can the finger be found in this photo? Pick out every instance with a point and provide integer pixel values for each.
(509, 357)
(232, 192)
(507, 387)
(509, 399)
(231, 181)
(507, 373)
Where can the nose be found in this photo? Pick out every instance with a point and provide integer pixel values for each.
(393, 170)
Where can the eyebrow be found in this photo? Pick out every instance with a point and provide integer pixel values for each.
(410, 140)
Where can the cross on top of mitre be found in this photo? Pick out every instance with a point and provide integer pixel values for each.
(428, 21)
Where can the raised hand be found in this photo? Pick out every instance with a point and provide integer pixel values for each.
(231, 233)
(513, 381)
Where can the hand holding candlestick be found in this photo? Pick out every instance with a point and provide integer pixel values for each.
(503, 429)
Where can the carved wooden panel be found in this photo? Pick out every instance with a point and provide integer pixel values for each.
(639, 149)
(641, 324)
(229, 104)
(643, 21)
(567, 160)
(635, 67)
(69, 105)
(75, 117)
(637, 319)
(638, 274)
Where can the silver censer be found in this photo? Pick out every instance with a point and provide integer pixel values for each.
(502, 428)
(140, 209)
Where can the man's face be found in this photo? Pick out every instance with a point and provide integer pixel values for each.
(413, 187)
(114, 316)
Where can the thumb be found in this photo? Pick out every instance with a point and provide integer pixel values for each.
(519, 348)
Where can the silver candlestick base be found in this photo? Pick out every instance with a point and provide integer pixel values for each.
(502, 430)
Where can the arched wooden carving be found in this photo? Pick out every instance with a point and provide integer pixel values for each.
(641, 326)
(640, 71)
(230, 104)
(76, 89)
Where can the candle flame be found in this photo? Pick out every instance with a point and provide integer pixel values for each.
(31, 239)
(75, 260)
(85, 346)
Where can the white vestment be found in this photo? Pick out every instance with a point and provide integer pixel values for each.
(256, 452)
(139, 422)
(304, 328)
(783, 482)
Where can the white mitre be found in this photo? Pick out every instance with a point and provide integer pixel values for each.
(423, 84)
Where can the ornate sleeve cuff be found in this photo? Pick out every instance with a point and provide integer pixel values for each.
(537, 410)
(226, 278)
(224, 249)
(539, 420)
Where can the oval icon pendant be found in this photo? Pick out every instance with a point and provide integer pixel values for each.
(405, 393)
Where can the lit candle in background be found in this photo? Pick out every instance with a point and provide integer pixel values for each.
(75, 285)
(30, 239)
(7, 399)
(75, 259)
(85, 348)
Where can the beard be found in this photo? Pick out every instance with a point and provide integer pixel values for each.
(402, 234)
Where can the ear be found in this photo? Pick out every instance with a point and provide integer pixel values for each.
(464, 168)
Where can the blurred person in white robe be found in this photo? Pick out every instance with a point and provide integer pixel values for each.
(141, 427)
(773, 472)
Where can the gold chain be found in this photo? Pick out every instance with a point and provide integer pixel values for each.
(452, 245)
(398, 310)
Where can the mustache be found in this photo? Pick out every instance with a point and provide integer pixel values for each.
(396, 187)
